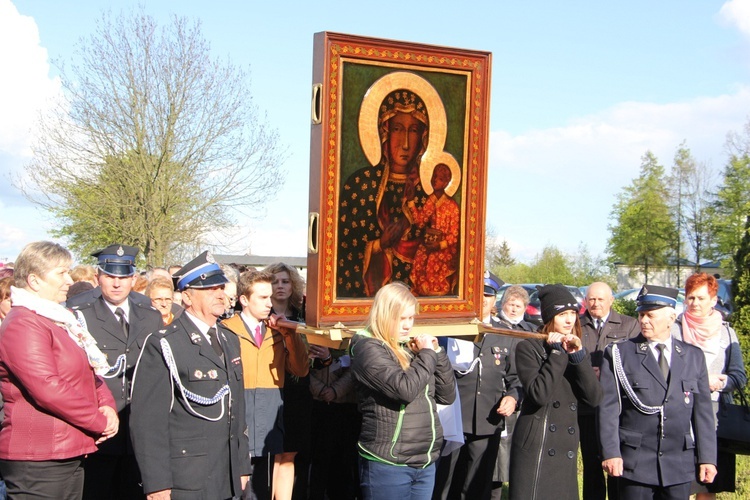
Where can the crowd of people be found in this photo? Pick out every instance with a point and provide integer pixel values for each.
(189, 382)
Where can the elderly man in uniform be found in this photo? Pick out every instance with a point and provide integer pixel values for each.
(119, 319)
(188, 419)
(656, 421)
(489, 391)
(600, 326)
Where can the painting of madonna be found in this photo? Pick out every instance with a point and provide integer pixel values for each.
(376, 234)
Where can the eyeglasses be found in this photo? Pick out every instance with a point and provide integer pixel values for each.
(162, 301)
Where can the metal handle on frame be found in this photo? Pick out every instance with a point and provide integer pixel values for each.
(312, 233)
(317, 96)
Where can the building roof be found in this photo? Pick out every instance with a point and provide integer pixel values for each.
(260, 260)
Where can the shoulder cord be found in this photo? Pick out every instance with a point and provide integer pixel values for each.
(188, 396)
(121, 360)
(621, 379)
(477, 361)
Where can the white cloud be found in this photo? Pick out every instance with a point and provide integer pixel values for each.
(557, 186)
(26, 87)
(737, 13)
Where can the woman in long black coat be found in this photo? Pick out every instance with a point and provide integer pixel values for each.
(556, 375)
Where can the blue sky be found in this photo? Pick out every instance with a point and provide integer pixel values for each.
(580, 91)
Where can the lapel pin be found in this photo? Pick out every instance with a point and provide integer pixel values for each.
(213, 374)
(195, 338)
(198, 374)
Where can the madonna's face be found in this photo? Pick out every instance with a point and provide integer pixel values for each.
(404, 140)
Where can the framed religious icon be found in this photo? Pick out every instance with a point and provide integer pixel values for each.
(398, 170)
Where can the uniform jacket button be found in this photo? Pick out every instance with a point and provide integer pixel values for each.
(573, 407)
(551, 452)
(552, 427)
(556, 404)
(571, 430)
(571, 454)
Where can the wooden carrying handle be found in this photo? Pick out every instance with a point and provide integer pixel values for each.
(522, 334)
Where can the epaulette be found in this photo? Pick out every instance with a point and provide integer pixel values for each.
(81, 306)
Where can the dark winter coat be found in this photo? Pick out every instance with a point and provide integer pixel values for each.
(197, 450)
(545, 439)
(482, 389)
(689, 435)
(106, 329)
(400, 424)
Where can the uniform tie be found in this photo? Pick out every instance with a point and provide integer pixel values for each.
(123, 321)
(215, 341)
(663, 364)
(258, 335)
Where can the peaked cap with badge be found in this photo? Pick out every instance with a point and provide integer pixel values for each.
(201, 272)
(492, 283)
(185, 389)
(655, 297)
(117, 260)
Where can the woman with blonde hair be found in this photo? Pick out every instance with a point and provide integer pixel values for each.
(399, 380)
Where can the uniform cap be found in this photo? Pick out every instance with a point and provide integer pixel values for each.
(201, 272)
(117, 260)
(655, 297)
(492, 283)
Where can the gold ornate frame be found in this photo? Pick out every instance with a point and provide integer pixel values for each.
(351, 75)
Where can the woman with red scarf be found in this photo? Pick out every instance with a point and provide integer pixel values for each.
(703, 326)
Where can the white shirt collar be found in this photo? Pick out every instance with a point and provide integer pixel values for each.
(202, 326)
(667, 349)
(125, 306)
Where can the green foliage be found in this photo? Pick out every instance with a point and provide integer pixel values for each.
(516, 273)
(678, 184)
(496, 253)
(643, 230)
(741, 289)
(731, 206)
(587, 268)
(626, 307)
(552, 265)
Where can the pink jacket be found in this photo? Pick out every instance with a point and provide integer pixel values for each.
(51, 394)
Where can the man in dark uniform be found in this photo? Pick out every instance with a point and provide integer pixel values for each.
(489, 390)
(119, 319)
(188, 419)
(600, 326)
(656, 421)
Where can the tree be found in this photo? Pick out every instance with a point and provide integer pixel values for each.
(551, 266)
(496, 252)
(732, 203)
(642, 230)
(689, 188)
(587, 268)
(696, 213)
(678, 185)
(156, 144)
(741, 292)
